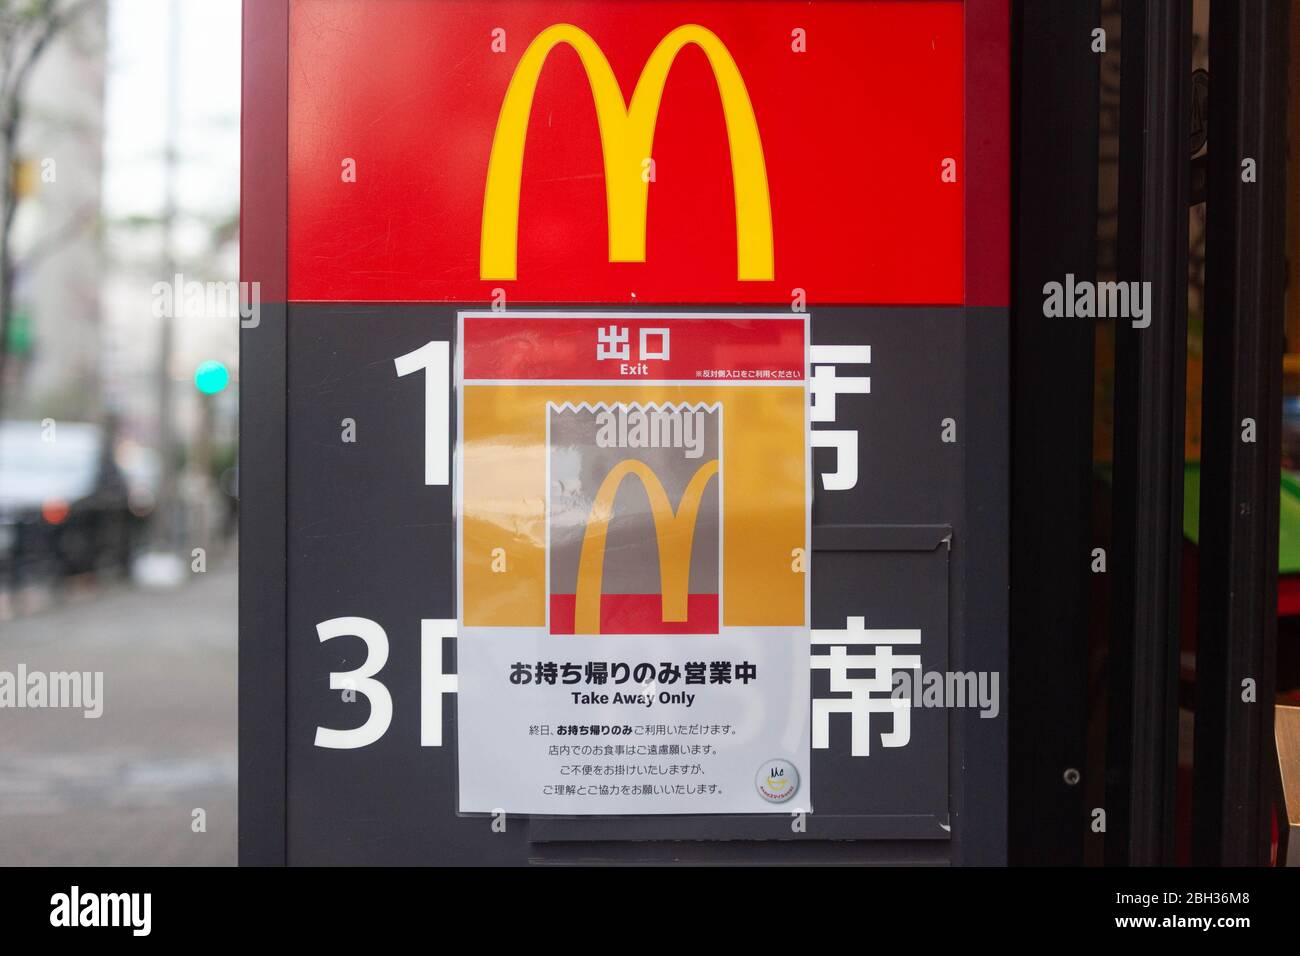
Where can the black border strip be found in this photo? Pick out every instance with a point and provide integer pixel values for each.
(263, 424)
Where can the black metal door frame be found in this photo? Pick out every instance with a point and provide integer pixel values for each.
(1056, 79)
(1150, 374)
(1055, 149)
(1235, 756)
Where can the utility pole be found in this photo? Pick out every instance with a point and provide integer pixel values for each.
(166, 527)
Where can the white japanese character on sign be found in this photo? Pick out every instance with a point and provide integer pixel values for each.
(662, 352)
(612, 343)
(825, 385)
(860, 705)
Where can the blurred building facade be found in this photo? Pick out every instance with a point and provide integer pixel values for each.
(56, 331)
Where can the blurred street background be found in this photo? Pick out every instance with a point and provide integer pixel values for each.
(119, 378)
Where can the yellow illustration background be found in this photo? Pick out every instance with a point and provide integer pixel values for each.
(503, 496)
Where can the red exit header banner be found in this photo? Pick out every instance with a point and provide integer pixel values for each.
(639, 152)
(634, 347)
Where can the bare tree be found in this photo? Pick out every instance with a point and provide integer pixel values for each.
(27, 28)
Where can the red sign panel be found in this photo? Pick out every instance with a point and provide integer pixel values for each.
(651, 153)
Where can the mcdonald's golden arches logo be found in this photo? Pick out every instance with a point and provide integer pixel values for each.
(674, 538)
(626, 135)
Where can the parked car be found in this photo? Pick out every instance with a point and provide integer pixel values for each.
(65, 505)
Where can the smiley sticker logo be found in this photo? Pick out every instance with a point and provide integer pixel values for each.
(777, 781)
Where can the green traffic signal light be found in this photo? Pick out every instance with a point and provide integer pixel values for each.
(211, 377)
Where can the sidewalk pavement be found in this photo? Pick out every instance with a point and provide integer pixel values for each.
(122, 789)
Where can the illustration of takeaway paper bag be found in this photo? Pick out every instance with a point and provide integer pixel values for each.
(634, 518)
